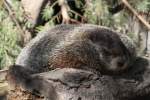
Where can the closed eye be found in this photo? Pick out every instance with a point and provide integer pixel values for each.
(107, 53)
(120, 63)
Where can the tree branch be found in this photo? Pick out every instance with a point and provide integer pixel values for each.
(13, 17)
(64, 11)
(125, 2)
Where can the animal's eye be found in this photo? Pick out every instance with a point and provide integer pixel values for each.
(107, 52)
(120, 63)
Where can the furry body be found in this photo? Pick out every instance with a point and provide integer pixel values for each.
(88, 47)
(78, 46)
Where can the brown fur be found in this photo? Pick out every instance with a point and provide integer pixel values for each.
(88, 47)
(96, 48)
(79, 46)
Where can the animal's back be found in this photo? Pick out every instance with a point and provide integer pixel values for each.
(90, 44)
(36, 53)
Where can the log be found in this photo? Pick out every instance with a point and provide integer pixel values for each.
(76, 84)
(3, 84)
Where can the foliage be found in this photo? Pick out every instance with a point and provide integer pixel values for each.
(141, 5)
(97, 13)
(47, 13)
(8, 40)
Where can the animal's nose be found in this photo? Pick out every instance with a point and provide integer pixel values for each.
(121, 63)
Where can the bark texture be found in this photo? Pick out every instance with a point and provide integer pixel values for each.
(74, 84)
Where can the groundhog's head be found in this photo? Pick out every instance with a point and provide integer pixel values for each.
(115, 60)
(113, 54)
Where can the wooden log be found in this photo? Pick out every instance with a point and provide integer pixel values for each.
(75, 84)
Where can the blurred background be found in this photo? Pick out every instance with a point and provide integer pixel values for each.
(22, 20)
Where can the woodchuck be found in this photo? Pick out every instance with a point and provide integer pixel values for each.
(85, 46)
(82, 46)
(91, 47)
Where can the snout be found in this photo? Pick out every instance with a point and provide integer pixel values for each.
(118, 64)
(121, 63)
